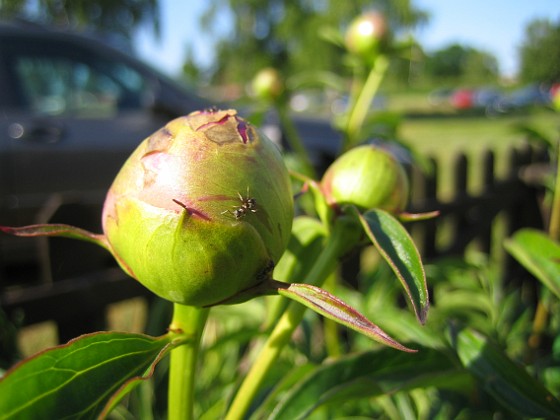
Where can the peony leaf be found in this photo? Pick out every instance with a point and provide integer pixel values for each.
(397, 248)
(415, 217)
(369, 375)
(323, 209)
(79, 379)
(333, 308)
(508, 382)
(63, 230)
(539, 254)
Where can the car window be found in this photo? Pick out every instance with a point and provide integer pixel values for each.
(58, 85)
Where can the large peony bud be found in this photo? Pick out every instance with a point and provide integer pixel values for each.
(367, 177)
(202, 210)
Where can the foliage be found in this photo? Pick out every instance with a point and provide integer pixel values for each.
(540, 52)
(116, 17)
(478, 355)
(270, 33)
(460, 63)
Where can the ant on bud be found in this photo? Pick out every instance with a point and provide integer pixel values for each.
(248, 204)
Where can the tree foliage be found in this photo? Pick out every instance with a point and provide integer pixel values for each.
(116, 17)
(540, 52)
(457, 62)
(289, 35)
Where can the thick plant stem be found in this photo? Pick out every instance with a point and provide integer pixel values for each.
(360, 108)
(189, 321)
(282, 332)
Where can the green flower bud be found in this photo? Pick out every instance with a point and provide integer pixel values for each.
(366, 33)
(268, 84)
(367, 177)
(555, 94)
(202, 209)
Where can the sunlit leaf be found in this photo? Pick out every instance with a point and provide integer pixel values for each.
(333, 308)
(79, 379)
(539, 254)
(415, 217)
(63, 230)
(323, 209)
(368, 375)
(397, 248)
(508, 382)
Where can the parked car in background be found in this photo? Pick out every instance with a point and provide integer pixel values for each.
(72, 109)
(524, 97)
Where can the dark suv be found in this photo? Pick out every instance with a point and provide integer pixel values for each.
(71, 110)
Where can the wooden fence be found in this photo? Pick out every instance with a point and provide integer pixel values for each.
(77, 303)
(469, 219)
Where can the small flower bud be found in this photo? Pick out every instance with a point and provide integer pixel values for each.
(267, 84)
(367, 177)
(202, 209)
(555, 96)
(365, 34)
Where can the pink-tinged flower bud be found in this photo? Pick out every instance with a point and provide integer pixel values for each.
(267, 84)
(202, 209)
(366, 33)
(555, 95)
(367, 177)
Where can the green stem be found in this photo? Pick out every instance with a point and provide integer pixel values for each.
(360, 108)
(541, 314)
(282, 332)
(189, 321)
(294, 139)
(554, 225)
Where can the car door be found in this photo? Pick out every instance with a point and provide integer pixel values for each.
(79, 115)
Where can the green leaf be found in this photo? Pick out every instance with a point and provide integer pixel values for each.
(415, 217)
(368, 375)
(508, 382)
(63, 230)
(78, 379)
(397, 248)
(539, 254)
(323, 209)
(304, 247)
(333, 308)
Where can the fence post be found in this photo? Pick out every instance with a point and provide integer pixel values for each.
(522, 213)
(460, 218)
(488, 182)
(430, 187)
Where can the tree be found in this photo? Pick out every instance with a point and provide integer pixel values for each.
(540, 52)
(115, 17)
(288, 35)
(460, 63)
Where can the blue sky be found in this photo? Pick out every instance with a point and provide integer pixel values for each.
(495, 26)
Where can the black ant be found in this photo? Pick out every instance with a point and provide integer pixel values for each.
(248, 204)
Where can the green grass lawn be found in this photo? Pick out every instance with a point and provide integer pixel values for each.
(446, 135)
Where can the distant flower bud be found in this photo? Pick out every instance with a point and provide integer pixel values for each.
(267, 84)
(555, 95)
(366, 33)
